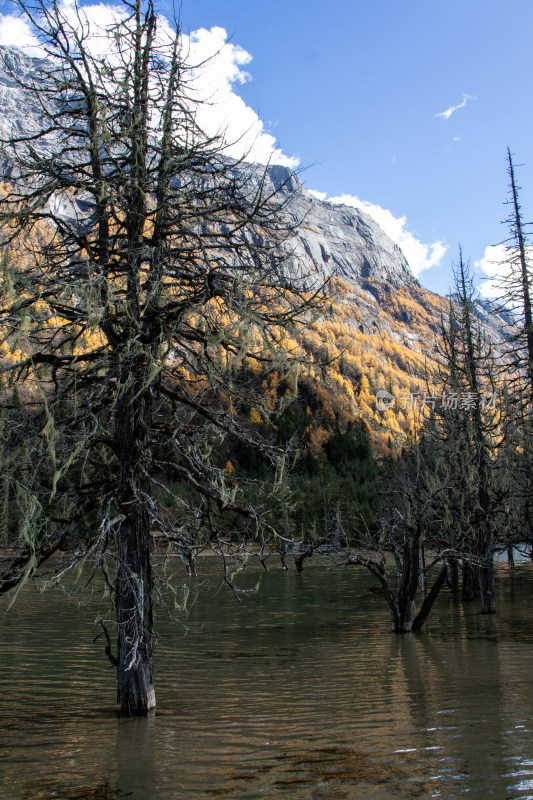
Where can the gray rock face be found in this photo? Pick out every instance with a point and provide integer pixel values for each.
(331, 239)
(19, 111)
(339, 239)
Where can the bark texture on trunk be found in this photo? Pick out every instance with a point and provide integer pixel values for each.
(402, 607)
(430, 598)
(134, 588)
(409, 585)
(454, 576)
(135, 669)
(468, 588)
(486, 588)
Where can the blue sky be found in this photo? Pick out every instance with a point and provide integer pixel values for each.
(354, 90)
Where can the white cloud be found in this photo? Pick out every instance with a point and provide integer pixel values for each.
(452, 109)
(16, 32)
(496, 266)
(501, 266)
(220, 71)
(419, 255)
(318, 195)
(224, 111)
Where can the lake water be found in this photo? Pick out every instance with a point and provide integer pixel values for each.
(298, 692)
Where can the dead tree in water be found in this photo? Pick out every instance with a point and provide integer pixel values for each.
(154, 269)
(410, 521)
(479, 499)
(421, 515)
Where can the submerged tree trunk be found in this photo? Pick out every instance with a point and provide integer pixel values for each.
(483, 443)
(135, 669)
(413, 577)
(409, 584)
(468, 588)
(300, 557)
(423, 581)
(430, 598)
(454, 576)
(402, 608)
(486, 587)
(134, 588)
(188, 556)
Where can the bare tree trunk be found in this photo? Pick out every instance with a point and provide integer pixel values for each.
(510, 559)
(409, 583)
(524, 273)
(134, 589)
(263, 555)
(299, 559)
(402, 610)
(468, 590)
(423, 582)
(454, 576)
(484, 534)
(486, 587)
(189, 557)
(135, 669)
(427, 605)
(378, 570)
(393, 611)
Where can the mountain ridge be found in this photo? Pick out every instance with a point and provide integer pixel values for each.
(381, 332)
(331, 239)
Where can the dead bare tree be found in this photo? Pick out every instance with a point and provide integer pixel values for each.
(515, 286)
(411, 522)
(153, 269)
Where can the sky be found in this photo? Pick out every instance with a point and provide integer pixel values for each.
(405, 109)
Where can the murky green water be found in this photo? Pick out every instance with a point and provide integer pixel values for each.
(299, 693)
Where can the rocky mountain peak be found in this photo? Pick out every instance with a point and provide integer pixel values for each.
(338, 239)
